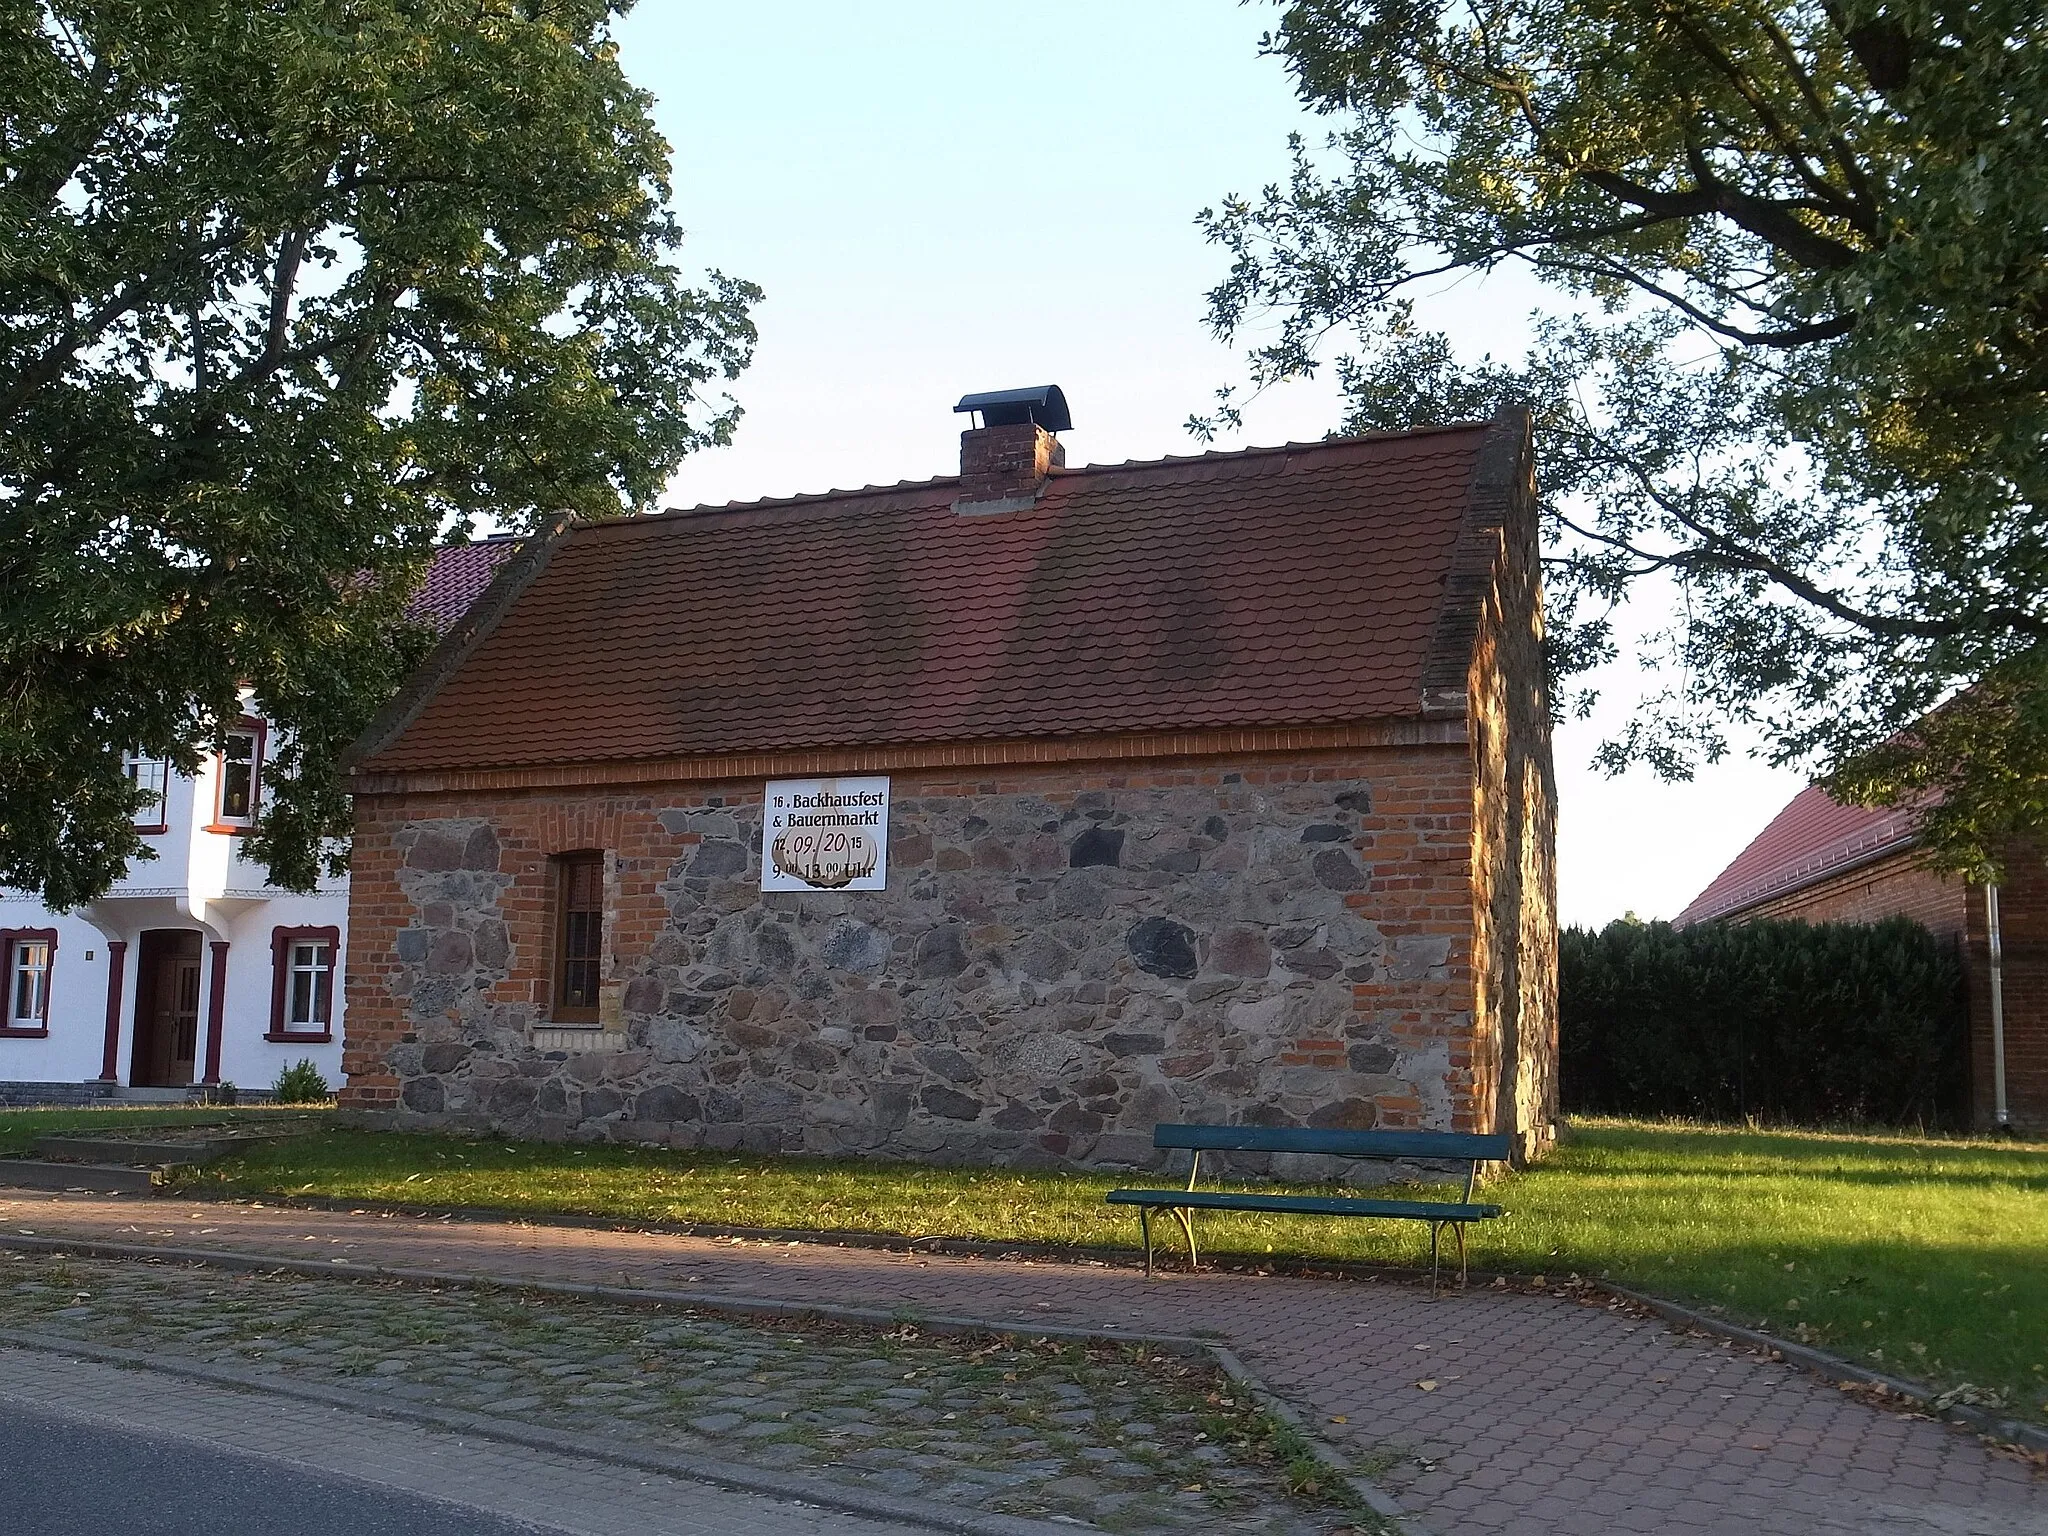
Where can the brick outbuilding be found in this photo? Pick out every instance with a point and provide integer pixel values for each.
(1212, 788)
(1820, 861)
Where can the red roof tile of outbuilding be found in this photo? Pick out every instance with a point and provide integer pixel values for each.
(1812, 837)
(1289, 586)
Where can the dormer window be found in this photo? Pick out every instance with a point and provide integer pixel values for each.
(239, 795)
(151, 775)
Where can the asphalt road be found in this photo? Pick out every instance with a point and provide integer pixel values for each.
(62, 1477)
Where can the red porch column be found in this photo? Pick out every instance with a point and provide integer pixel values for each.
(117, 965)
(216, 1008)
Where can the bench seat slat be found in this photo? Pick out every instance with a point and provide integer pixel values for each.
(1454, 1145)
(1307, 1205)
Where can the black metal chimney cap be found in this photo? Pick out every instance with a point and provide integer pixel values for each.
(1043, 404)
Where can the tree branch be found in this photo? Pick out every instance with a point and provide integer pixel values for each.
(1725, 553)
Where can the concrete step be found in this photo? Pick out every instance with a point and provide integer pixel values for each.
(191, 1146)
(96, 1149)
(101, 1178)
(123, 1094)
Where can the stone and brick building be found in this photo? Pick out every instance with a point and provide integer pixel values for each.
(1214, 788)
(1823, 862)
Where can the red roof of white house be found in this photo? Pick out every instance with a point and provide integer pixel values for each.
(1811, 838)
(456, 579)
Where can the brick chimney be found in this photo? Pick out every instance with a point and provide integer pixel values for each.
(1005, 462)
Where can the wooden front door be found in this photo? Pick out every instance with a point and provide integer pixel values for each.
(166, 1009)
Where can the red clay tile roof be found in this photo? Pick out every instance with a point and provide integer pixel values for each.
(1289, 586)
(458, 575)
(1810, 838)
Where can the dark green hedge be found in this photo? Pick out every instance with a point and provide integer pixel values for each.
(1818, 1023)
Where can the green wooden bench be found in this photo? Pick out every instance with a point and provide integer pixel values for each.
(1387, 1146)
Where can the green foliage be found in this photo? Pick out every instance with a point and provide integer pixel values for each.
(290, 289)
(1827, 1023)
(1795, 362)
(300, 1083)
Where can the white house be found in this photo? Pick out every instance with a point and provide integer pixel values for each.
(193, 970)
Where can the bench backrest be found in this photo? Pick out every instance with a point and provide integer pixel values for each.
(1385, 1144)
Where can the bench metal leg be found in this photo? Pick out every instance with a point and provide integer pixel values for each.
(1145, 1226)
(1187, 1225)
(1462, 1272)
(1435, 1231)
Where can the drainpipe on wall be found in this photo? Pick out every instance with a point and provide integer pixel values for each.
(1997, 1006)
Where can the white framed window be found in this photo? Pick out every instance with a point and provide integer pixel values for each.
(303, 962)
(151, 775)
(312, 984)
(29, 952)
(239, 796)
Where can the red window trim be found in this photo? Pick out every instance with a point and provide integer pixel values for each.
(9, 937)
(281, 941)
(261, 731)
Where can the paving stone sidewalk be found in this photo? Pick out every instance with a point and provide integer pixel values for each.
(1486, 1412)
(1124, 1438)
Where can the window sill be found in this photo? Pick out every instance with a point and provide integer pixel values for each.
(230, 831)
(300, 1037)
(579, 1038)
(157, 830)
(22, 1032)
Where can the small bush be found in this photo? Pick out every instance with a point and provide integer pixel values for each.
(1822, 1023)
(300, 1083)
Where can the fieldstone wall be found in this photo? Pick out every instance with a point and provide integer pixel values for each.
(1060, 961)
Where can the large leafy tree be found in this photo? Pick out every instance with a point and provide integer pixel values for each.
(1795, 365)
(289, 290)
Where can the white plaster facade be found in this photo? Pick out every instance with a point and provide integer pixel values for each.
(198, 895)
(198, 901)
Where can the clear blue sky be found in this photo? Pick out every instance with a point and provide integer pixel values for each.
(945, 198)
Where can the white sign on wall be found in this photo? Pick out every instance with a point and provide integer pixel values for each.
(825, 835)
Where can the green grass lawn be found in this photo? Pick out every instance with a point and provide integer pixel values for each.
(1921, 1255)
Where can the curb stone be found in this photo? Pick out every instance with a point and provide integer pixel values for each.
(1367, 1492)
(1107, 1256)
(703, 1469)
(1833, 1368)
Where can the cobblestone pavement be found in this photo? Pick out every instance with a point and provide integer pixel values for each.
(542, 1491)
(1523, 1413)
(1124, 1438)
